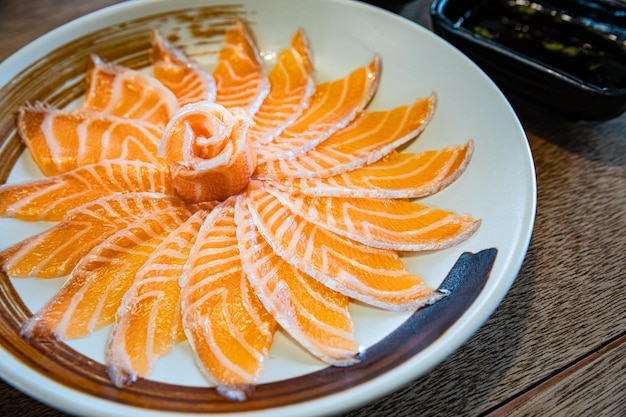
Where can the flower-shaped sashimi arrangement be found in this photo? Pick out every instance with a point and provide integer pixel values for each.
(217, 207)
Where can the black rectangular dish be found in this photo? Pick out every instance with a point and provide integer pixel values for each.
(567, 55)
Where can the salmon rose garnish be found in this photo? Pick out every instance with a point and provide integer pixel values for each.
(208, 151)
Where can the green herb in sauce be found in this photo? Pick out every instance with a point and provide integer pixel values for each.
(559, 39)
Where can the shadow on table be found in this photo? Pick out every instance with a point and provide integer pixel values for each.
(602, 142)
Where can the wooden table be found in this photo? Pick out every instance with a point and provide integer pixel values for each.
(556, 346)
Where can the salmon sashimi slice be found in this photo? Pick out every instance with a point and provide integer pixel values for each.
(332, 106)
(374, 276)
(383, 223)
(179, 73)
(120, 91)
(239, 75)
(225, 323)
(49, 199)
(208, 151)
(56, 251)
(60, 141)
(367, 139)
(148, 321)
(314, 315)
(398, 175)
(91, 296)
(291, 85)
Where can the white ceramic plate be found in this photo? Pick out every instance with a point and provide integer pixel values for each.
(498, 187)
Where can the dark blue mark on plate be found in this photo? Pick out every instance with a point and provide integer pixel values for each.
(464, 282)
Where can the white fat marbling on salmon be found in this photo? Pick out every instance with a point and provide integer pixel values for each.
(332, 107)
(51, 198)
(274, 289)
(374, 276)
(155, 289)
(146, 233)
(370, 137)
(155, 103)
(80, 230)
(396, 176)
(291, 86)
(239, 75)
(61, 141)
(169, 63)
(89, 298)
(214, 288)
(381, 223)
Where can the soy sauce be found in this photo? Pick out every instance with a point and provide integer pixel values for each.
(592, 51)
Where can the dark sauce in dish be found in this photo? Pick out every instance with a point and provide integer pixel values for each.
(590, 50)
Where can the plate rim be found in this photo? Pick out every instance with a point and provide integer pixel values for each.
(388, 382)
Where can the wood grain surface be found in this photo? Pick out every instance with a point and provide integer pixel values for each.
(556, 344)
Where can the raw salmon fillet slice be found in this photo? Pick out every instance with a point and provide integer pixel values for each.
(49, 199)
(120, 91)
(370, 137)
(383, 223)
(314, 315)
(332, 106)
(90, 297)
(179, 73)
(398, 175)
(55, 252)
(291, 85)
(60, 141)
(240, 78)
(148, 321)
(371, 275)
(225, 323)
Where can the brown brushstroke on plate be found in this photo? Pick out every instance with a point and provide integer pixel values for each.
(61, 363)
(58, 79)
